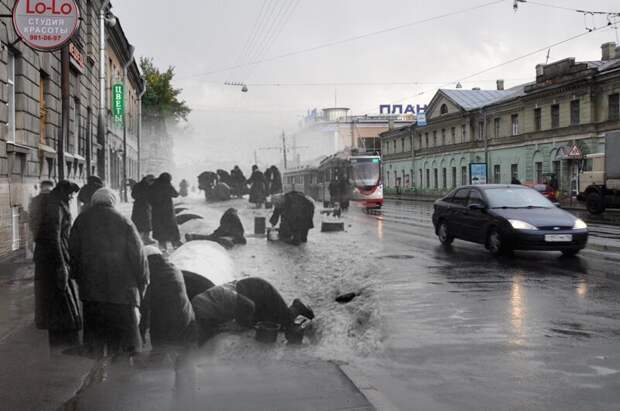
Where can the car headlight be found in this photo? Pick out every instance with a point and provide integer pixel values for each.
(580, 224)
(521, 225)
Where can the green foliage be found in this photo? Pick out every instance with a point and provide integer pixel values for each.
(161, 99)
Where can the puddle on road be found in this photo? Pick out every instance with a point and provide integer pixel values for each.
(397, 257)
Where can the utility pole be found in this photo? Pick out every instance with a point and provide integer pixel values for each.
(284, 148)
(65, 92)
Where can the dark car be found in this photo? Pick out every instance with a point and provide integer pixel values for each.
(506, 218)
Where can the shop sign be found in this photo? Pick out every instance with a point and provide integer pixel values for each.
(118, 102)
(77, 58)
(46, 25)
(478, 173)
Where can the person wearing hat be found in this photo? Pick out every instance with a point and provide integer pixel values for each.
(165, 228)
(57, 296)
(258, 190)
(109, 265)
(93, 183)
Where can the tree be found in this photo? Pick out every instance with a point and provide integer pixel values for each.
(161, 100)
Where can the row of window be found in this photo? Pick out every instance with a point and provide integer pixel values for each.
(447, 137)
(437, 178)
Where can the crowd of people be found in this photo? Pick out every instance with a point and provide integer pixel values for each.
(222, 186)
(100, 279)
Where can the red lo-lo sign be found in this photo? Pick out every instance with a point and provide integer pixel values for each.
(46, 24)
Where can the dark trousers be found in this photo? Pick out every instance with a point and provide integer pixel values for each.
(111, 326)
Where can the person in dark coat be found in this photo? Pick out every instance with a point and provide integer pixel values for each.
(230, 230)
(207, 182)
(141, 211)
(217, 306)
(268, 176)
(165, 228)
(295, 213)
(239, 187)
(269, 304)
(275, 186)
(166, 312)
(36, 210)
(93, 183)
(224, 177)
(57, 301)
(258, 191)
(108, 262)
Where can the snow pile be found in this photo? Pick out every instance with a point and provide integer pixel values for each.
(206, 258)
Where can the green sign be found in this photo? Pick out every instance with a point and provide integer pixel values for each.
(118, 102)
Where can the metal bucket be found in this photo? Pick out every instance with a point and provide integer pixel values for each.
(267, 332)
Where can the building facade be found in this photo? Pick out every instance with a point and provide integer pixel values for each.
(30, 119)
(549, 128)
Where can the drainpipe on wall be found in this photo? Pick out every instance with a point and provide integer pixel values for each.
(102, 128)
(486, 141)
(412, 156)
(139, 131)
(125, 67)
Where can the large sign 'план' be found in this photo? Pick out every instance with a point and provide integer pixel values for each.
(46, 24)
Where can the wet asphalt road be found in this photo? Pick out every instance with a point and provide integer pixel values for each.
(466, 331)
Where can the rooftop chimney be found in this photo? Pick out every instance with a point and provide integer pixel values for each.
(540, 69)
(609, 51)
(500, 84)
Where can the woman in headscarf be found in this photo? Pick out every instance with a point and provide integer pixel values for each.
(165, 228)
(52, 263)
(258, 192)
(275, 186)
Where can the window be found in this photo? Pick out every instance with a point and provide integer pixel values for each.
(428, 178)
(614, 106)
(496, 125)
(421, 175)
(11, 96)
(402, 144)
(443, 136)
(464, 175)
(574, 112)
(555, 116)
(497, 174)
(436, 180)
(480, 130)
(475, 198)
(463, 133)
(434, 138)
(514, 121)
(538, 167)
(444, 178)
(426, 140)
(453, 176)
(514, 171)
(42, 109)
(460, 197)
(537, 119)
(443, 109)
(453, 135)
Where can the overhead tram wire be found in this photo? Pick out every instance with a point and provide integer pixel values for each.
(581, 11)
(526, 55)
(348, 39)
(275, 23)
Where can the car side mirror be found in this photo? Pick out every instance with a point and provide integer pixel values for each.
(477, 207)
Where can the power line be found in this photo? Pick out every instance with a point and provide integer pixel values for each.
(553, 6)
(531, 53)
(348, 40)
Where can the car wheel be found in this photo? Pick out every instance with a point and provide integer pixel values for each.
(594, 203)
(495, 243)
(444, 236)
(570, 253)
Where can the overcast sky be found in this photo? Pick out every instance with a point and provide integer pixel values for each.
(198, 36)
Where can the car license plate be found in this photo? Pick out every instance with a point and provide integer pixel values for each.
(558, 238)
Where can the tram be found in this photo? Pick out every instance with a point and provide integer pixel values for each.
(361, 171)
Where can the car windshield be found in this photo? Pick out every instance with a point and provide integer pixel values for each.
(516, 198)
(365, 171)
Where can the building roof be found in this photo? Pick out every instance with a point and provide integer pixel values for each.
(472, 99)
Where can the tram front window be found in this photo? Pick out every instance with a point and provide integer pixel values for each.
(365, 172)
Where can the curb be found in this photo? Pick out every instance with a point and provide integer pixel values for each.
(372, 394)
